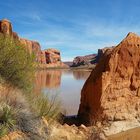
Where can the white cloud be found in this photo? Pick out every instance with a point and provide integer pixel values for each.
(86, 36)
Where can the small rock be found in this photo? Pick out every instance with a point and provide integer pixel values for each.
(83, 127)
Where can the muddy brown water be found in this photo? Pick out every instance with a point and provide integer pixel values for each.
(65, 84)
(132, 134)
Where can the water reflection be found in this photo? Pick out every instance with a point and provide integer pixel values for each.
(79, 75)
(66, 83)
(47, 79)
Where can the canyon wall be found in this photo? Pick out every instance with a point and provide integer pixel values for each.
(112, 91)
(46, 58)
(89, 60)
(84, 60)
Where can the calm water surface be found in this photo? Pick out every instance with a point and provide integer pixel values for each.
(65, 84)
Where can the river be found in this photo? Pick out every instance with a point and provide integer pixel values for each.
(65, 84)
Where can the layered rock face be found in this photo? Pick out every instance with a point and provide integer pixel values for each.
(31, 46)
(112, 91)
(84, 60)
(89, 60)
(51, 56)
(48, 58)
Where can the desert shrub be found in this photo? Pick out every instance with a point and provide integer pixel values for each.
(43, 105)
(7, 119)
(16, 64)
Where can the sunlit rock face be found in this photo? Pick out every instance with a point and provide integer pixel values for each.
(51, 56)
(112, 91)
(89, 60)
(47, 79)
(31, 46)
(5, 27)
(48, 57)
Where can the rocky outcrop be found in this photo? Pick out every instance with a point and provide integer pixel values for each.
(102, 51)
(46, 58)
(51, 56)
(6, 27)
(89, 60)
(31, 46)
(84, 60)
(112, 91)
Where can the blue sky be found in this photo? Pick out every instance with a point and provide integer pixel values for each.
(75, 27)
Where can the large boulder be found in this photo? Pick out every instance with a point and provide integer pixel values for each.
(112, 91)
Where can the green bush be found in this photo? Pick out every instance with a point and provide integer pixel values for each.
(42, 105)
(16, 64)
(7, 119)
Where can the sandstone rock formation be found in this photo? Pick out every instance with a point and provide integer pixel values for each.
(51, 57)
(112, 91)
(84, 60)
(89, 60)
(31, 46)
(102, 51)
(6, 27)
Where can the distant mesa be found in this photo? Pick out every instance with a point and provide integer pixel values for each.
(88, 61)
(46, 58)
(84, 60)
(112, 91)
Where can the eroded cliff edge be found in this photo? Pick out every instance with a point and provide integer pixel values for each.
(112, 91)
(46, 58)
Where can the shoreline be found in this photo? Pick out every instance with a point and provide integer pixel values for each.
(63, 68)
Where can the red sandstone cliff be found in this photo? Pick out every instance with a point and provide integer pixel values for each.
(51, 56)
(46, 58)
(31, 46)
(112, 91)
